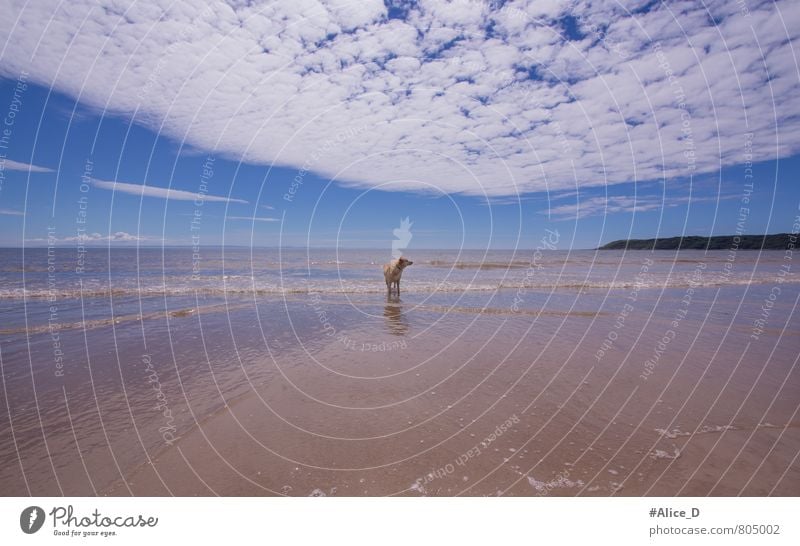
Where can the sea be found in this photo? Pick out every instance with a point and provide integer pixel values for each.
(64, 273)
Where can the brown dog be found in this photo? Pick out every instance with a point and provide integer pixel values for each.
(392, 273)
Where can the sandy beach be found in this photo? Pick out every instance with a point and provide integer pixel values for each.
(676, 391)
(503, 422)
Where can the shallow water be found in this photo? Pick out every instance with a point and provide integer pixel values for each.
(214, 271)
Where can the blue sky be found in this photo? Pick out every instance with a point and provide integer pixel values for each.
(374, 114)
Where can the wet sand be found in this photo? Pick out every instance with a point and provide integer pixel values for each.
(431, 395)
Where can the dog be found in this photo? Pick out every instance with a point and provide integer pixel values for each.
(392, 273)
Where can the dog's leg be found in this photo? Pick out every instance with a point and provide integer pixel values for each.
(397, 285)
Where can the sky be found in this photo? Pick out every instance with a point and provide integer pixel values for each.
(322, 124)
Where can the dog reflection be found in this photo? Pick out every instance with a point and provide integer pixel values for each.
(395, 320)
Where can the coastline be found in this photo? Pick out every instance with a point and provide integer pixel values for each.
(637, 389)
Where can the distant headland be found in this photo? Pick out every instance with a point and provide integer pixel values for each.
(778, 241)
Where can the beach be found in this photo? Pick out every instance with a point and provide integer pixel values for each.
(520, 373)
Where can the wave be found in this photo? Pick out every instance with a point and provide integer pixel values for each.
(23, 293)
(478, 265)
(56, 327)
(353, 287)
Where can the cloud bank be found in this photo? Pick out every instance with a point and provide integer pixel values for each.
(93, 238)
(463, 96)
(12, 165)
(603, 206)
(161, 193)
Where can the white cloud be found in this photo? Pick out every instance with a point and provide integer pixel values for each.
(601, 206)
(440, 98)
(90, 238)
(119, 236)
(12, 165)
(10, 212)
(161, 193)
(253, 219)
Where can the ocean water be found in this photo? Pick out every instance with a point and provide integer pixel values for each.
(96, 286)
(111, 358)
(66, 273)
